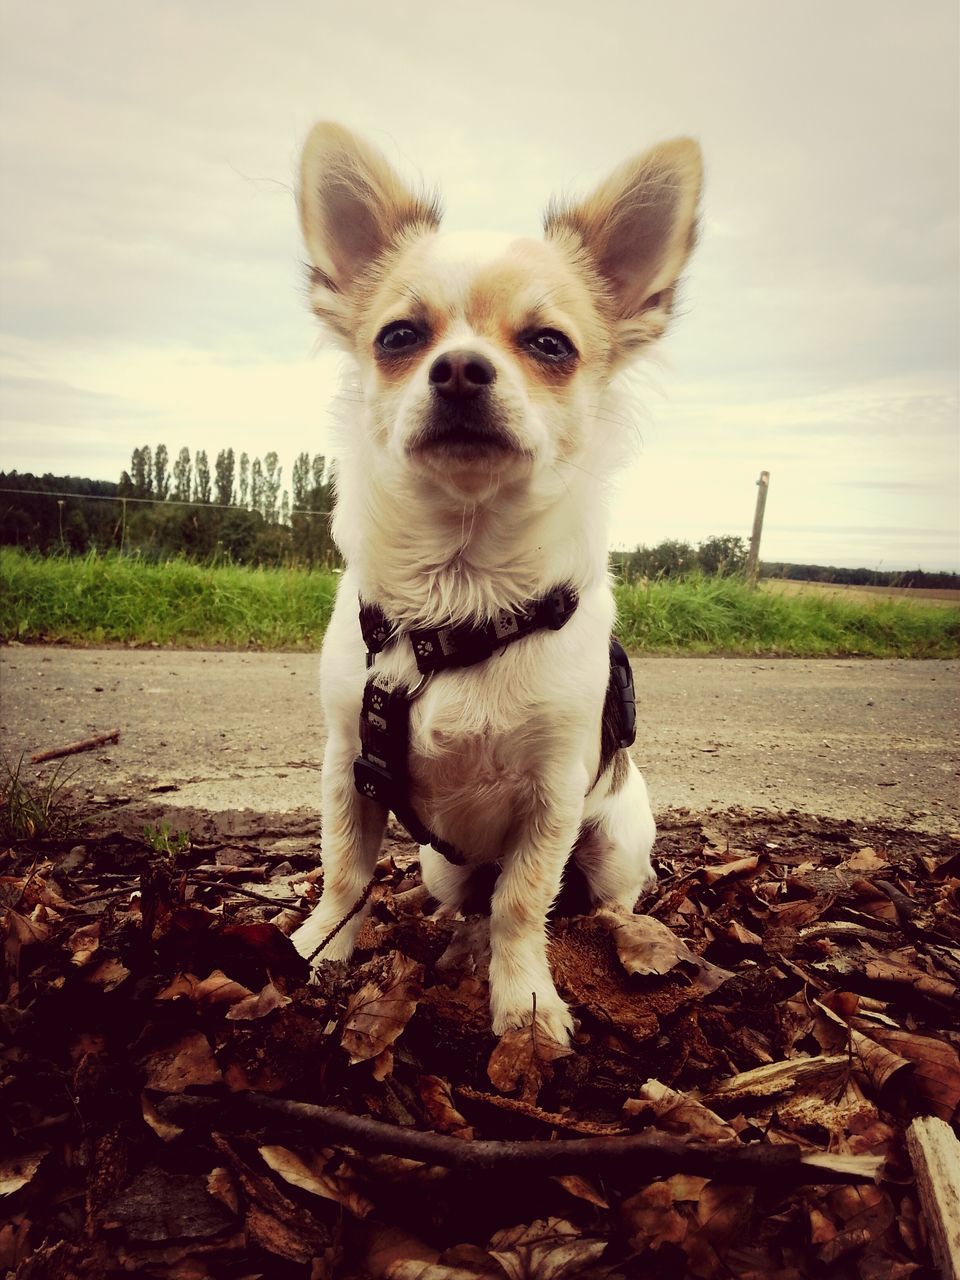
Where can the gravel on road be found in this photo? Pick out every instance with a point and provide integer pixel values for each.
(217, 731)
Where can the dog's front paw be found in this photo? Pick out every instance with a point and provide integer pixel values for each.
(553, 1016)
(308, 937)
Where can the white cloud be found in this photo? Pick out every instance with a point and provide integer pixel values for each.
(151, 255)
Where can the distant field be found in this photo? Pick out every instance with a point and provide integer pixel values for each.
(944, 597)
(105, 600)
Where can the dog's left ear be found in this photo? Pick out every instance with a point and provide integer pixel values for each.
(633, 235)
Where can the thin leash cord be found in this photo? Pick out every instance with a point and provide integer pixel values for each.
(357, 906)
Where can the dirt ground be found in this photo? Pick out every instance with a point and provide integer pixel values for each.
(754, 1044)
(218, 732)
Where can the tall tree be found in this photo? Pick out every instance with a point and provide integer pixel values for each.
(146, 454)
(161, 473)
(224, 477)
(256, 486)
(319, 468)
(244, 479)
(201, 491)
(301, 481)
(182, 476)
(271, 486)
(140, 466)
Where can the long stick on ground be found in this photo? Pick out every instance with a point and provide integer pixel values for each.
(645, 1154)
(73, 748)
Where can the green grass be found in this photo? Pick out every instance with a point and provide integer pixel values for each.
(34, 808)
(703, 615)
(113, 599)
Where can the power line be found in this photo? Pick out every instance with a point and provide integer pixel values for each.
(163, 502)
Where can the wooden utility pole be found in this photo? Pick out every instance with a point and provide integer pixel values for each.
(753, 558)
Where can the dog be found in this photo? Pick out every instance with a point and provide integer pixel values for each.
(478, 441)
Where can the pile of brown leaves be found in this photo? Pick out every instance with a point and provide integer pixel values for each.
(792, 981)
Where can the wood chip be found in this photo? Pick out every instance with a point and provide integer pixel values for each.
(935, 1154)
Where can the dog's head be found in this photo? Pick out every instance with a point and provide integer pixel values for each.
(482, 359)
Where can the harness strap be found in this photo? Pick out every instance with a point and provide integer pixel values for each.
(465, 644)
(381, 770)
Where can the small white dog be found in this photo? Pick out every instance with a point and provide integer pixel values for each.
(471, 512)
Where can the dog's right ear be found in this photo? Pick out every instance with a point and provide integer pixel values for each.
(353, 210)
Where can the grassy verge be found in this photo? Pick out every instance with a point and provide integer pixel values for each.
(722, 615)
(112, 599)
(117, 600)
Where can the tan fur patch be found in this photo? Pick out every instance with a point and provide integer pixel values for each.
(531, 285)
(619, 772)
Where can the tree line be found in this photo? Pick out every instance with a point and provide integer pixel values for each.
(238, 511)
(726, 556)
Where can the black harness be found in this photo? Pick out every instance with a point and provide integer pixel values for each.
(381, 771)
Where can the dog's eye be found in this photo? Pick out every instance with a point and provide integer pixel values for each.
(550, 344)
(398, 337)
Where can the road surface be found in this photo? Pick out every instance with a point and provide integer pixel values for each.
(868, 740)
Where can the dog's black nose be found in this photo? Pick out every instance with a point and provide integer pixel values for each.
(460, 375)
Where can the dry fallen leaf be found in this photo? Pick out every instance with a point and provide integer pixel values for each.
(865, 859)
(378, 1013)
(215, 989)
(548, 1249)
(723, 871)
(865, 1213)
(164, 1129)
(221, 1186)
(646, 946)
(186, 1061)
(651, 1219)
(723, 1217)
(252, 1007)
(313, 1176)
(441, 1110)
(25, 931)
(83, 942)
(878, 1063)
(389, 1248)
(936, 1074)
(274, 1221)
(582, 1189)
(522, 1059)
(17, 1171)
(678, 1113)
(107, 975)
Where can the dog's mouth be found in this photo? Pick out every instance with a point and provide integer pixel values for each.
(465, 433)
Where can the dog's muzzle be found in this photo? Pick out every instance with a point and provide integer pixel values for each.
(463, 417)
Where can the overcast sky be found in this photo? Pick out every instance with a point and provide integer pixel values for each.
(152, 287)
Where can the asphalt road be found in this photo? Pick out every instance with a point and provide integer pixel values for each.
(872, 741)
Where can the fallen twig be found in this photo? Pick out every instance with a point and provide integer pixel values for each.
(73, 748)
(116, 892)
(225, 887)
(646, 1155)
(529, 1111)
(357, 906)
